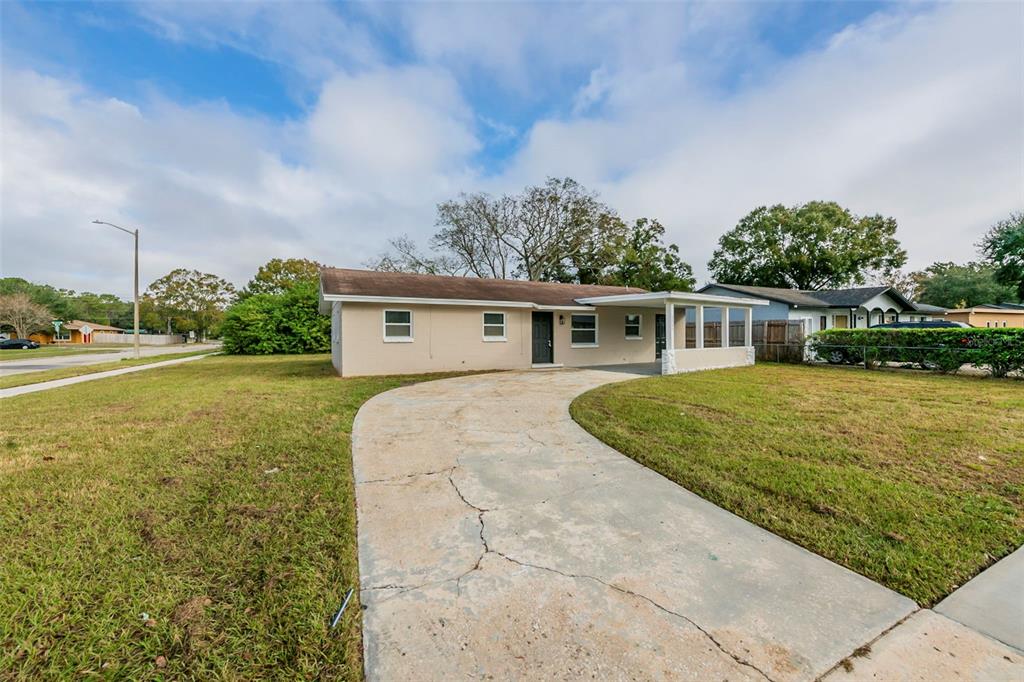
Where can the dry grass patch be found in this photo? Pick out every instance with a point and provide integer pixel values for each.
(189, 522)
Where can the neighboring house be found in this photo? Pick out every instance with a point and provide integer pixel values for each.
(398, 323)
(823, 308)
(75, 331)
(999, 315)
(924, 313)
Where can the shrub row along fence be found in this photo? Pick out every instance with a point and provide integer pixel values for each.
(1001, 351)
(774, 340)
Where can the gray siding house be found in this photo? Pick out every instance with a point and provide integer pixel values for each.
(822, 309)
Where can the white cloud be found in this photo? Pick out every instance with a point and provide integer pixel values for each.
(917, 116)
(410, 123)
(218, 191)
(309, 38)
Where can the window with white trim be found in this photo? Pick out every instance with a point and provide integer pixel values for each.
(584, 330)
(397, 325)
(633, 326)
(494, 327)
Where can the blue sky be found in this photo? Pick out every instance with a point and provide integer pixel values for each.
(236, 132)
(113, 48)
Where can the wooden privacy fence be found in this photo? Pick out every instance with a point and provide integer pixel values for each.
(774, 340)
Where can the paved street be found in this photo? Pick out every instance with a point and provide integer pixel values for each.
(497, 539)
(29, 364)
(70, 381)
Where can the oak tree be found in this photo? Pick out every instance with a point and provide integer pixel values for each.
(817, 245)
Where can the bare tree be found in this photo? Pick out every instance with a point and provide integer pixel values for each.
(472, 229)
(907, 283)
(405, 256)
(555, 222)
(555, 231)
(18, 311)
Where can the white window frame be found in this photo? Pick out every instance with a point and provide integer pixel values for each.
(640, 326)
(597, 324)
(484, 326)
(384, 326)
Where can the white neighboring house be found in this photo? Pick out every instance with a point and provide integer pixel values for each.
(859, 307)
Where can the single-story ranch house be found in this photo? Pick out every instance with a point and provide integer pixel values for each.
(402, 323)
(825, 308)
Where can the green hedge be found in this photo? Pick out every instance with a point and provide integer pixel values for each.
(277, 323)
(1000, 350)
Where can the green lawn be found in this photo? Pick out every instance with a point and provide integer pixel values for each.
(215, 497)
(25, 378)
(53, 351)
(916, 481)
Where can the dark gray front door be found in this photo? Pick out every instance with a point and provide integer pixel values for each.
(543, 327)
(659, 335)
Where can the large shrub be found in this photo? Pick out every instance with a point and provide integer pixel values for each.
(277, 323)
(1000, 350)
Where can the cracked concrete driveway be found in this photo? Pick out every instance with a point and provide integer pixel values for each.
(497, 539)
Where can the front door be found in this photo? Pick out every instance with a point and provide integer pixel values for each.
(543, 328)
(840, 321)
(659, 335)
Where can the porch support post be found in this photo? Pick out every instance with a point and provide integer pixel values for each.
(725, 326)
(670, 326)
(748, 327)
(682, 331)
(698, 332)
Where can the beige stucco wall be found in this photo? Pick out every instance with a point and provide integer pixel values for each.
(450, 338)
(336, 336)
(696, 359)
(994, 318)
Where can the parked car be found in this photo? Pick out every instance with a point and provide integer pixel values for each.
(8, 344)
(930, 324)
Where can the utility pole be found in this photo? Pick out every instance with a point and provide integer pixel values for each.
(134, 233)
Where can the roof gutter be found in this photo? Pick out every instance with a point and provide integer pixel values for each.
(413, 300)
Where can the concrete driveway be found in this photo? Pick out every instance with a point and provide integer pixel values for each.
(497, 539)
(30, 364)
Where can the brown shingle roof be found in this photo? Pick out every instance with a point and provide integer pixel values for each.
(832, 298)
(341, 281)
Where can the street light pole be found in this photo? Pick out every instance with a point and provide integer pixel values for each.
(135, 234)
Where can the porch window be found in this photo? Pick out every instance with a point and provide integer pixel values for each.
(584, 330)
(633, 327)
(398, 326)
(494, 327)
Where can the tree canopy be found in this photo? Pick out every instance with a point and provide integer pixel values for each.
(196, 298)
(65, 304)
(286, 322)
(558, 231)
(1003, 247)
(639, 258)
(817, 245)
(278, 275)
(960, 286)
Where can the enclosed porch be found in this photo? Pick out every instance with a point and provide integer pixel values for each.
(675, 351)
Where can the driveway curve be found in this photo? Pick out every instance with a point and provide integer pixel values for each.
(498, 539)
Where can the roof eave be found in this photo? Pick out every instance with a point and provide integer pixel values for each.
(665, 297)
(416, 300)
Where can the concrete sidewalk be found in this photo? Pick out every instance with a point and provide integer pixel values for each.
(70, 381)
(40, 364)
(993, 602)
